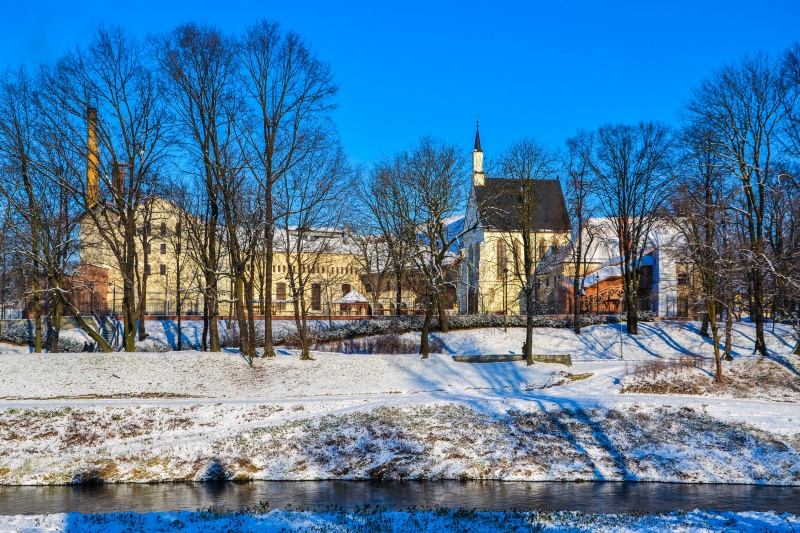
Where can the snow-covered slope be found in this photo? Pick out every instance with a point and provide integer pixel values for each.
(191, 415)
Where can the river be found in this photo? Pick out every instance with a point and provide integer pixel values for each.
(590, 497)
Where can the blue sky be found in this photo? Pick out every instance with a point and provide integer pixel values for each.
(412, 68)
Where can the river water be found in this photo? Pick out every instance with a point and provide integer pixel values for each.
(594, 497)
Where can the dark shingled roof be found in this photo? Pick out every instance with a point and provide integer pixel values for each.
(499, 198)
(477, 140)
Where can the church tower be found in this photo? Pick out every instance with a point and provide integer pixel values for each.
(478, 177)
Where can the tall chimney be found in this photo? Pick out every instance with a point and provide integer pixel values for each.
(92, 160)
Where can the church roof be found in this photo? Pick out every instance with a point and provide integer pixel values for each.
(498, 201)
(477, 140)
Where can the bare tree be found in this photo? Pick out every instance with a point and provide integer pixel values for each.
(527, 162)
(388, 255)
(185, 285)
(383, 255)
(791, 79)
(199, 63)
(48, 215)
(242, 216)
(744, 107)
(701, 204)
(291, 93)
(310, 211)
(110, 91)
(633, 166)
(423, 189)
(582, 207)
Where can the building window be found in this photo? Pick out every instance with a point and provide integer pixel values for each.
(683, 279)
(163, 248)
(280, 295)
(178, 248)
(345, 289)
(518, 257)
(163, 229)
(177, 228)
(501, 259)
(316, 297)
(163, 269)
(148, 248)
(147, 268)
(146, 229)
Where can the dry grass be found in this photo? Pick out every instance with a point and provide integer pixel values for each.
(754, 378)
(123, 396)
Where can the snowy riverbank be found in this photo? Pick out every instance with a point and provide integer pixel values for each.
(67, 418)
(433, 521)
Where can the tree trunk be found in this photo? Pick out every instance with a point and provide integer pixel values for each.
(758, 311)
(204, 343)
(530, 307)
(143, 298)
(55, 327)
(129, 315)
(213, 313)
(424, 344)
(711, 313)
(444, 327)
(632, 318)
(269, 234)
(179, 310)
(140, 314)
(302, 333)
(245, 342)
(728, 330)
(576, 304)
(249, 293)
(96, 337)
(37, 312)
(398, 293)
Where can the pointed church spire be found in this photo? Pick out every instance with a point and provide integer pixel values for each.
(478, 177)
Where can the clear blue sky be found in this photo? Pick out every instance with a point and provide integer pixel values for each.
(416, 67)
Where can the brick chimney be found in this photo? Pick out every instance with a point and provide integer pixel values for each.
(92, 160)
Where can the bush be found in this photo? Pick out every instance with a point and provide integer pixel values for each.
(391, 343)
(229, 336)
(152, 346)
(20, 331)
(397, 325)
(67, 344)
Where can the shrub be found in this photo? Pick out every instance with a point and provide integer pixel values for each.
(229, 336)
(397, 325)
(653, 369)
(391, 343)
(152, 346)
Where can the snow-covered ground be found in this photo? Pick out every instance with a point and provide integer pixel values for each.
(187, 415)
(433, 521)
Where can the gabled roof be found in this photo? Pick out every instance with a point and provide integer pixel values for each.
(499, 200)
(352, 297)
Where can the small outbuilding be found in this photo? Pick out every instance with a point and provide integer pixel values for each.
(353, 303)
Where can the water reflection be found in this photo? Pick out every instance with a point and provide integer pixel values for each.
(605, 497)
